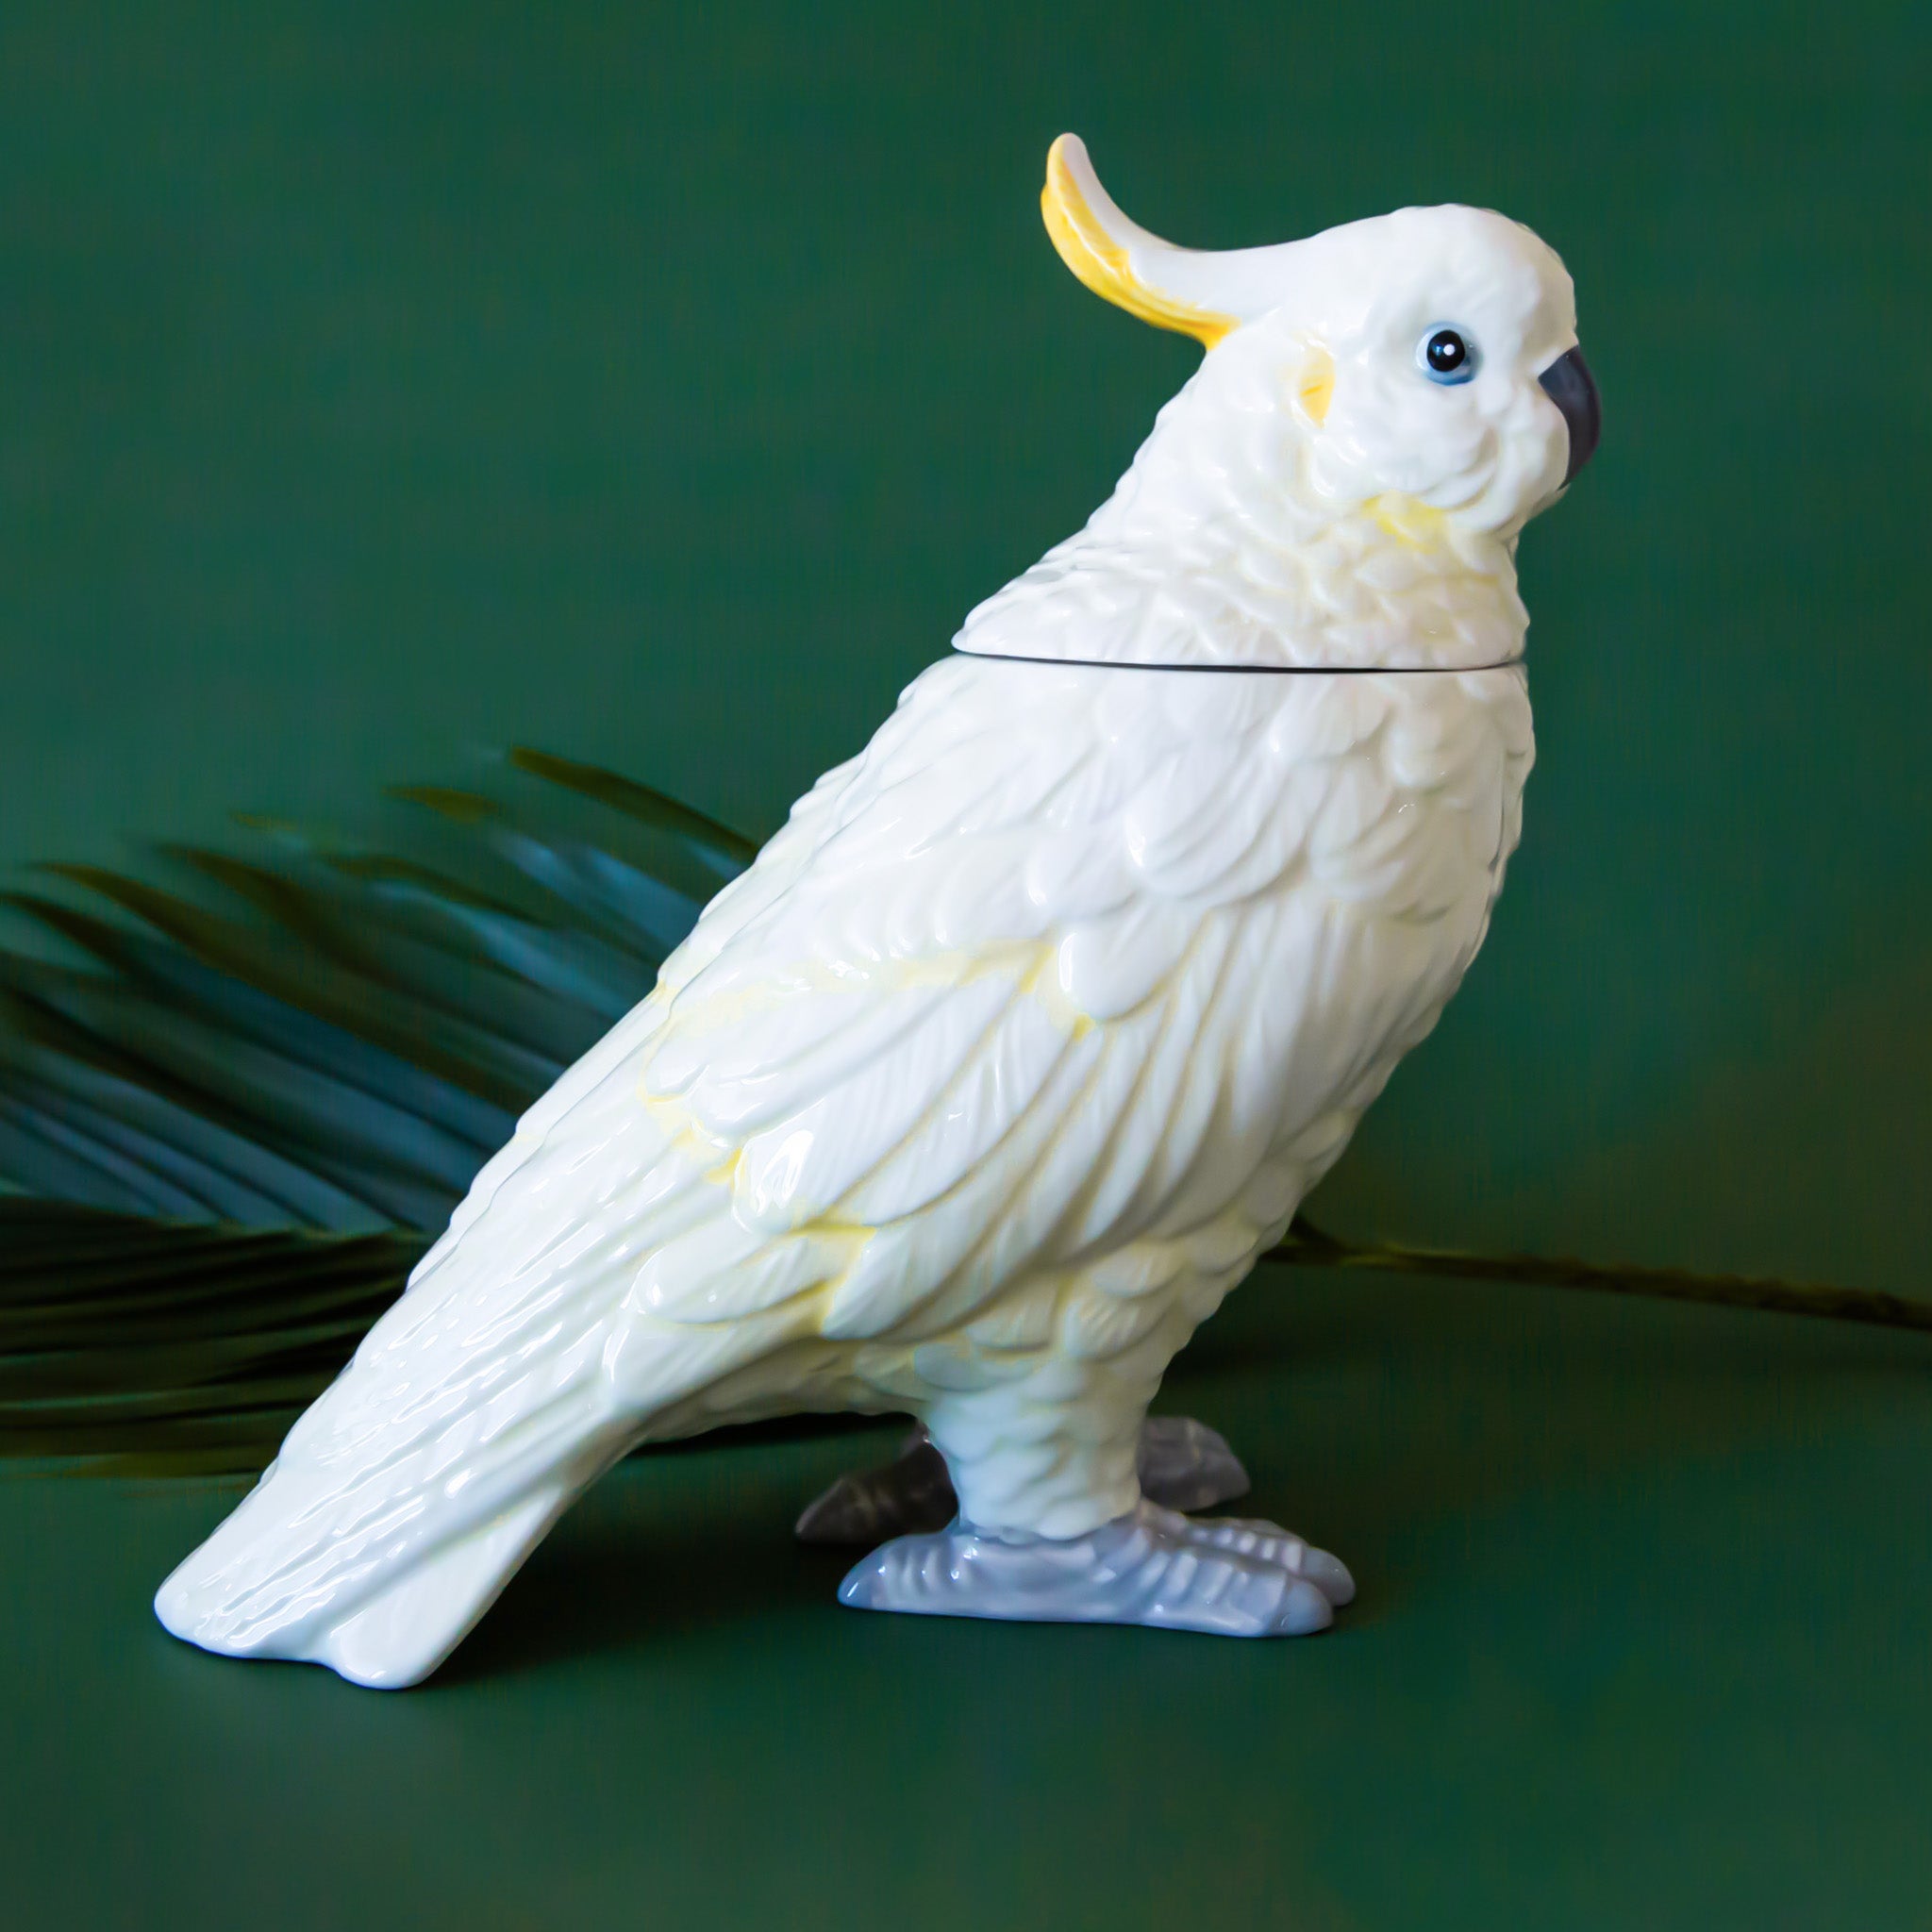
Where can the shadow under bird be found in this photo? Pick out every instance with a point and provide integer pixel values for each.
(1024, 1037)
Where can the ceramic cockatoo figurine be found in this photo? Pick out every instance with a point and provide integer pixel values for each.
(1025, 1037)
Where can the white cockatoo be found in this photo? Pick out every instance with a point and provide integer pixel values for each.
(1022, 1041)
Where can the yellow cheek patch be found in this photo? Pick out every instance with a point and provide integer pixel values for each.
(1314, 388)
(1102, 264)
(1408, 519)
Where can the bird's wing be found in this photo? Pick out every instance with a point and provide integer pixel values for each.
(977, 959)
(1006, 1016)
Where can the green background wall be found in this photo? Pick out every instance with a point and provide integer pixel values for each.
(661, 386)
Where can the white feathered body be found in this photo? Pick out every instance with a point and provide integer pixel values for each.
(972, 1097)
(1028, 1032)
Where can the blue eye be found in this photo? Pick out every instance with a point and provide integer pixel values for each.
(1446, 355)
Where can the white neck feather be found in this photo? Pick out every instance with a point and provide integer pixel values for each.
(1233, 540)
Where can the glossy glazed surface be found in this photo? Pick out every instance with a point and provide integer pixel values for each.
(992, 1076)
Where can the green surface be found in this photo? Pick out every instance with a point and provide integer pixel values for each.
(1641, 1642)
(662, 385)
(381, 384)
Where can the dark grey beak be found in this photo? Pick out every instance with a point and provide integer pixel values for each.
(1569, 384)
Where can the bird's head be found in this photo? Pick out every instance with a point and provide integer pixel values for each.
(1427, 357)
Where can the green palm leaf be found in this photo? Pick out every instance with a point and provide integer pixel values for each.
(235, 1110)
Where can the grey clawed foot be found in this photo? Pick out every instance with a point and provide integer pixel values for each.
(1153, 1566)
(862, 1509)
(1183, 1465)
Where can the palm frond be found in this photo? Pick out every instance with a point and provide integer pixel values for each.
(1306, 1247)
(152, 1347)
(235, 1109)
(334, 1034)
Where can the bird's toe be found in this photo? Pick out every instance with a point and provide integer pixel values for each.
(1330, 1576)
(1304, 1610)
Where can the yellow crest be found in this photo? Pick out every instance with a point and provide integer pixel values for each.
(1102, 261)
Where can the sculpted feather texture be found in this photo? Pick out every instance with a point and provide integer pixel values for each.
(1018, 1044)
